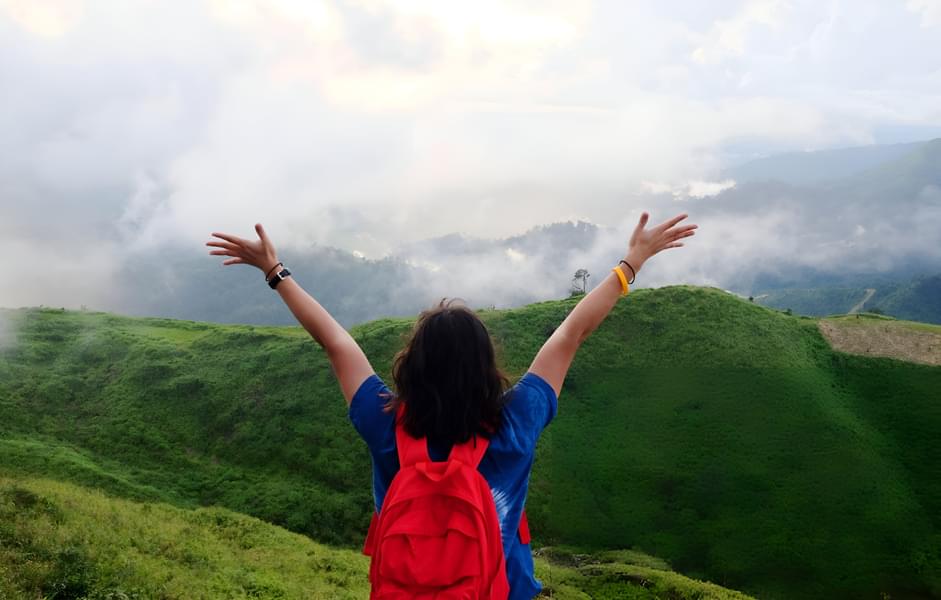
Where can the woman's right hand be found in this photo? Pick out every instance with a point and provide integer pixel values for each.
(259, 253)
(645, 243)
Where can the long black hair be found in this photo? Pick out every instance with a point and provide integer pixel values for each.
(447, 377)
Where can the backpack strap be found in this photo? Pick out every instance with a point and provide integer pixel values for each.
(470, 452)
(410, 450)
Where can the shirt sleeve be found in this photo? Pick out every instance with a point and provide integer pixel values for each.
(530, 408)
(376, 426)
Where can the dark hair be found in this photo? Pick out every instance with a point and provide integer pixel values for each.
(447, 377)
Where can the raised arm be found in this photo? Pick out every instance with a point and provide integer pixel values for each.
(348, 360)
(554, 358)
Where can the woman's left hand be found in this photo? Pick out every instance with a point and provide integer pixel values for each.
(258, 253)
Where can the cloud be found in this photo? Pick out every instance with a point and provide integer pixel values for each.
(929, 10)
(371, 123)
(729, 37)
(51, 18)
(692, 189)
(704, 189)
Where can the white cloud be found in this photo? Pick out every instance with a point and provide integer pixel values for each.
(703, 189)
(657, 187)
(929, 10)
(374, 122)
(692, 189)
(50, 18)
(729, 37)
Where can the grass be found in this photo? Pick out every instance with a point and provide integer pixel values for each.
(724, 436)
(58, 540)
(866, 320)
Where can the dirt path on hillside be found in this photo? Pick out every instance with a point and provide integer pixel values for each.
(859, 306)
(883, 338)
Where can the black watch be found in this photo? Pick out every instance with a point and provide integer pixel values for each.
(282, 274)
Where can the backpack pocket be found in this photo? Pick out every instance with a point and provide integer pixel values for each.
(432, 544)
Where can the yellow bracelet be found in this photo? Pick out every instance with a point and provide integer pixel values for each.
(624, 287)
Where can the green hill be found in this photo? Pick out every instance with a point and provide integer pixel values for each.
(63, 541)
(723, 436)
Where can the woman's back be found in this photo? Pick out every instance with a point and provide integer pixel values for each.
(530, 406)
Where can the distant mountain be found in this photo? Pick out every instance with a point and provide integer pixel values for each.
(918, 300)
(906, 175)
(186, 283)
(878, 227)
(914, 299)
(882, 224)
(811, 168)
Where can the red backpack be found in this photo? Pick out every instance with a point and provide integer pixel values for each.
(438, 534)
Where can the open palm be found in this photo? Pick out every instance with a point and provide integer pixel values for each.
(645, 243)
(259, 253)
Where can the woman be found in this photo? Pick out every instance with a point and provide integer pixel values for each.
(448, 378)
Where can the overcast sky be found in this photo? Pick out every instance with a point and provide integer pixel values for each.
(366, 123)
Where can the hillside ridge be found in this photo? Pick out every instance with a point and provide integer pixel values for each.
(694, 426)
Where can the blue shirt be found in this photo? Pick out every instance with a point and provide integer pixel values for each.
(531, 405)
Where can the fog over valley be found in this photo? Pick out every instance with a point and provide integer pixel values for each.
(400, 152)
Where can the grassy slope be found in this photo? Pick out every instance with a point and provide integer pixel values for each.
(719, 434)
(63, 541)
(733, 441)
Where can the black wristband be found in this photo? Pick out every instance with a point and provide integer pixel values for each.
(633, 272)
(278, 278)
(268, 274)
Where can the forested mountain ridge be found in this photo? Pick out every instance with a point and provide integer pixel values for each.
(808, 168)
(917, 299)
(875, 227)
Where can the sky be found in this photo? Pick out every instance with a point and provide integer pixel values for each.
(128, 125)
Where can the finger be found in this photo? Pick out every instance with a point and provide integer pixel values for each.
(230, 238)
(262, 234)
(676, 236)
(668, 224)
(233, 261)
(667, 247)
(642, 222)
(223, 253)
(228, 245)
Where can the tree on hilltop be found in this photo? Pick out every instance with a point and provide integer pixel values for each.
(580, 281)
